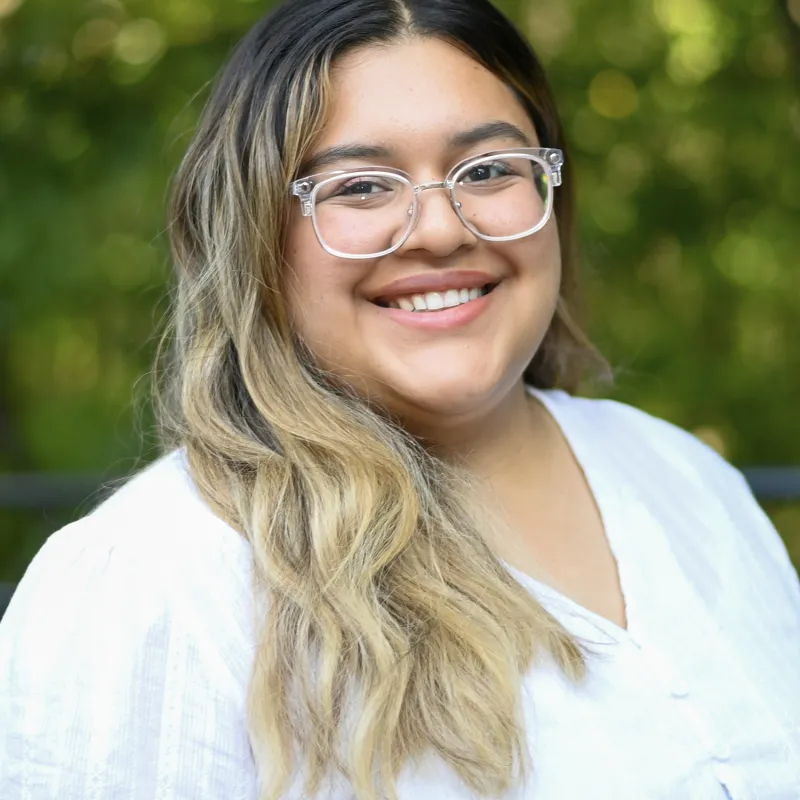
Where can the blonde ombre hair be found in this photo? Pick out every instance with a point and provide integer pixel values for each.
(391, 629)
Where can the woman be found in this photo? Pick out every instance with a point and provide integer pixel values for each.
(388, 553)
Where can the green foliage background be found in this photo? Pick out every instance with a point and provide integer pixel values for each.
(685, 123)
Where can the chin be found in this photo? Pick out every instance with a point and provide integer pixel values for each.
(447, 392)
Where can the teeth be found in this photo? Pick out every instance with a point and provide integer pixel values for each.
(435, 301)
(452, 298)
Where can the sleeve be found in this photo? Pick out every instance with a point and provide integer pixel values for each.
(765, 575)
(766, 553)
(108, 689)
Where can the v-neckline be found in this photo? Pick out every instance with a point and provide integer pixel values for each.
(609, 504)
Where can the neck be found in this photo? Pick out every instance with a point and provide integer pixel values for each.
(510, 451)
(503, 445)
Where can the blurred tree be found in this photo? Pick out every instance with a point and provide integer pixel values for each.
(684, 119)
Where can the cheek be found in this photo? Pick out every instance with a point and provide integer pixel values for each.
(547, 243)
(320, 290)
(308, 270)
(537, 259)
(303, 284)
(551, 249)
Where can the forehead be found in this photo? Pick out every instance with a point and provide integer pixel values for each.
(416, 92)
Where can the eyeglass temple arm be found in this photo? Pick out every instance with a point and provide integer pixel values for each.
(302, 189)
(555, 160)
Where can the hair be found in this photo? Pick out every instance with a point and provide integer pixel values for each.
(390, 630)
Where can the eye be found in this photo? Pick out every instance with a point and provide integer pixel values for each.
(360, 186)
(361, 191)
(487, 171)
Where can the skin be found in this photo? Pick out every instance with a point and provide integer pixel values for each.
(451, 387)
(459, 390)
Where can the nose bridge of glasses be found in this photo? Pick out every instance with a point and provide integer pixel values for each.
(423, 187)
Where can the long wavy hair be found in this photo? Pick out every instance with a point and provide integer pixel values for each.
(390, 629)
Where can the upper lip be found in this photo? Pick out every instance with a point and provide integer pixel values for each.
(433, 282)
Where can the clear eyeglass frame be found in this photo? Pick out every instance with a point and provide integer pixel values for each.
(306, 189)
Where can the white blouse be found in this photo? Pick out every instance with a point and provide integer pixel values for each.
(126, 651)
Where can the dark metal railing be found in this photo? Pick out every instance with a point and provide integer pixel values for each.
(6, 590)
(36, 492)
(42, 492)
(774, 483)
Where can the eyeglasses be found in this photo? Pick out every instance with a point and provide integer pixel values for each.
(368, 213)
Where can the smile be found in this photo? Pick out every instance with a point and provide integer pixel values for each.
(437, 301)
(436, 314)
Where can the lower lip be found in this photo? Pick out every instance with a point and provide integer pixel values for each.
(446, 318)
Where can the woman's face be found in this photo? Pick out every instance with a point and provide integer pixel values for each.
(413, 101)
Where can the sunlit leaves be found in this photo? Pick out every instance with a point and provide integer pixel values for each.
(613, 94)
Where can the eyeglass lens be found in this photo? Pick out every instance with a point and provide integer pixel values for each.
(369, 213)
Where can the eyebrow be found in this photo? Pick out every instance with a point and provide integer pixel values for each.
(342, 152)
(485, 132)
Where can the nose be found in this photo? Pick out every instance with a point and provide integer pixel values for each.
(438, 230)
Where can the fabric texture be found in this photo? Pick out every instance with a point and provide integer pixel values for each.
(126, 651)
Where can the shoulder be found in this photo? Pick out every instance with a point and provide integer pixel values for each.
(153, 554)
(163, 499)
(703, 503)
(643, 440)
(158, 517)
(126, 652)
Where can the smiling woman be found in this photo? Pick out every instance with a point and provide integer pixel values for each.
(388, 551)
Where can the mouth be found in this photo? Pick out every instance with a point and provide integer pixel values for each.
(436, 302)
(440, 313)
